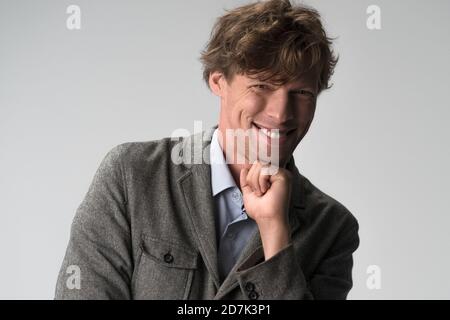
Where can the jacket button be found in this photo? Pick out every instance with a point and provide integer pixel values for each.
(168, 258)
(253, 295)
(249, 286)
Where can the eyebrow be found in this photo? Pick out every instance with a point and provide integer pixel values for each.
(302, 85)
(305, 87)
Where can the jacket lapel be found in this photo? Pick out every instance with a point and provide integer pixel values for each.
(195, 186)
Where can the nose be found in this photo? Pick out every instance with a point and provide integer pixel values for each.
(279, 107)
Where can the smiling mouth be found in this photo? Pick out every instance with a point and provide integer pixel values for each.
(273, 133)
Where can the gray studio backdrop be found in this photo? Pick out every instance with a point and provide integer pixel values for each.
(379, 141)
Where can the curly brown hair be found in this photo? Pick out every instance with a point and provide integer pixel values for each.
(272, 41)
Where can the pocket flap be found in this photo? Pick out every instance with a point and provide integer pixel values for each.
(169, 254)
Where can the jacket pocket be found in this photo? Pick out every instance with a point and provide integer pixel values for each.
(165, 270)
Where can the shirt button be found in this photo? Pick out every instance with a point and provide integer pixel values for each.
(253, 295)
(168, 258)
(249, 286)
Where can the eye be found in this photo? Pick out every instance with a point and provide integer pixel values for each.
(261, 87)
(304, 92)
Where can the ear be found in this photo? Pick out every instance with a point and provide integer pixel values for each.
(217, 83)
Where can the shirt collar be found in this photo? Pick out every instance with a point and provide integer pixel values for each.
(221, 178)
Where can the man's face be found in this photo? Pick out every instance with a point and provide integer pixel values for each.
(250, 104)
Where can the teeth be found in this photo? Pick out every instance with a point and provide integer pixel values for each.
(273, 134)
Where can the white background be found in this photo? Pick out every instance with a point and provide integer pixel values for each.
(378, 144)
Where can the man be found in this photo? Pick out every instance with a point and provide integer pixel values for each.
(156, 224)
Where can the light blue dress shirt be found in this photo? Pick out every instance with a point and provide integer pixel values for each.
(233, 227)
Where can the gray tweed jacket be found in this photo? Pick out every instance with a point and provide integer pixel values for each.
(146, 230)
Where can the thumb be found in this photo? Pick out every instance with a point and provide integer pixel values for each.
(245, 188)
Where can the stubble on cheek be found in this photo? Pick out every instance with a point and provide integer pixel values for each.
(243, 110)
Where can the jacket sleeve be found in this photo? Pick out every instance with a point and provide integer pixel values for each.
(98, 262)
(281, 276)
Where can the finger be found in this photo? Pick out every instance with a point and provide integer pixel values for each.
(248, 179)
(254, 178)
(263, 180)
(245, 187)
(281, 175)
(269, 169)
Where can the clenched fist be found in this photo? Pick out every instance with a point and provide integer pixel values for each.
(266, 200)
